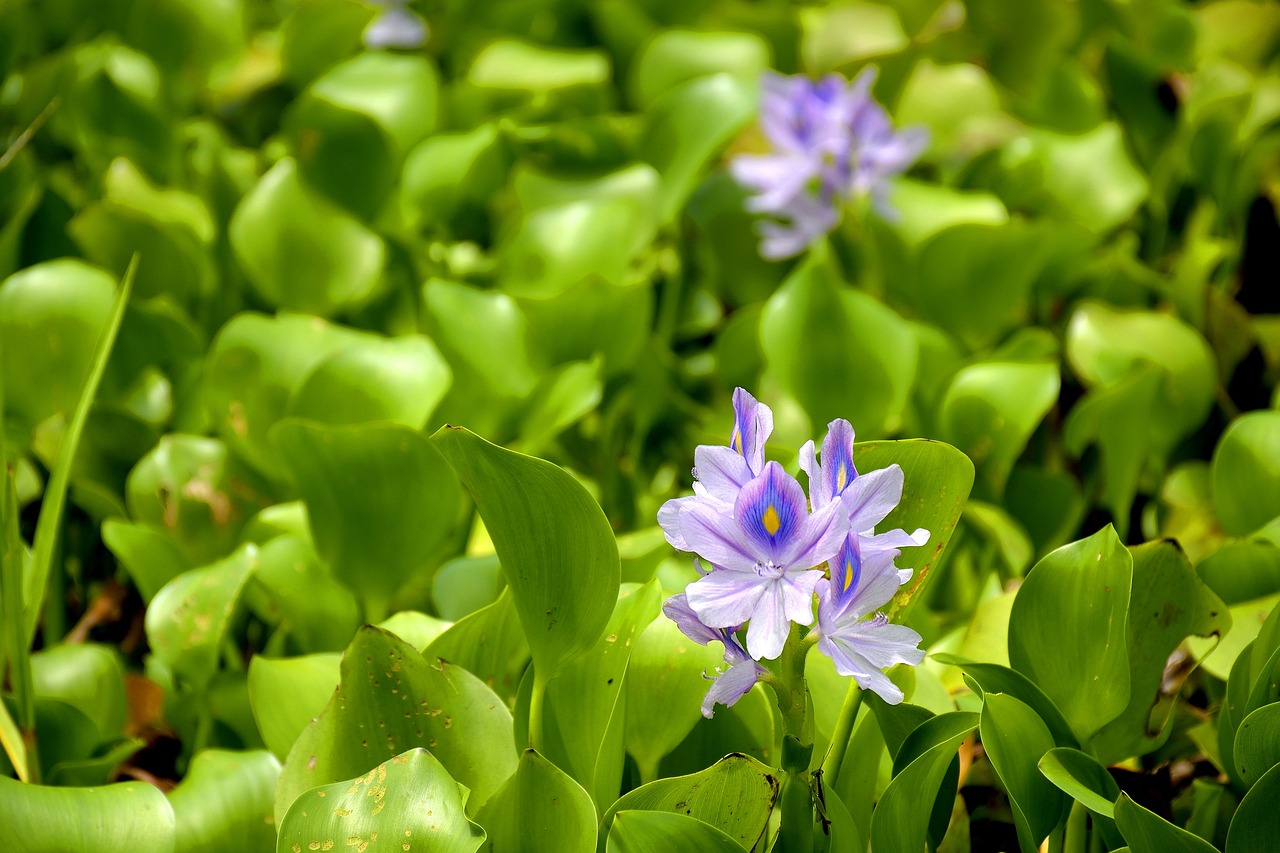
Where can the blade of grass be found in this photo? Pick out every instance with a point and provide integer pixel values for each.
(55, 496)
(15, 735)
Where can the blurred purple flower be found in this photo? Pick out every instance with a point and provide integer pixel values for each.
(863, 575)
(395, 26)
(831, 142)
(733, 683)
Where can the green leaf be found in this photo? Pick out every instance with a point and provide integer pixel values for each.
(637, 831)
(254, 365)
(1147, 832)
(839, 352)
(555, 545)
(1257, 744)
(1067, 630)
(286, 694)
(294, 590)
(130, 816)
(1256, 823)
(188, 618)
(511, 64)
(672, 57)
(1015, 740)
(839, 35)
(1246, 473)
(1167, 602)
(300, 251)
(665, 688)
(937, 480)
(87, 676)
(352, 127)
(464, 585)
(380, 379)
(993, 678)
(183, 488)
(584, 704)
(391, 698)
(735, 795)
(151, 558)
(991, 409)
(898, 822)
(410, 799)
(489, 644)
(539, 808)
(687, 125)
(224, 802)
(49, 524)
(379, 498)
(318, 33)
(1082, 778)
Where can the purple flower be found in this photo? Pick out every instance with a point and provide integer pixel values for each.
(721, 472)
(863, 575)
(763, 553)
(733, 683)
(395, 26)
(831, 142)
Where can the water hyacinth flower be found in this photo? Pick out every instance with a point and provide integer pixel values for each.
(831, 143)
(771, 552)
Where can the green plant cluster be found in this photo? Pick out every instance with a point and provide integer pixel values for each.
(340, 387)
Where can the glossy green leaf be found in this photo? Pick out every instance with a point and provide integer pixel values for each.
(489, 643)
(1257, 821)
(1147, 832)
(1257, 743)
(87, 676)
(993, 678)
(380, 501)
(351, 128)
(409, 799)
(184, 489)
(224, 802)
(465, 584)
(817, 335)
(294, 590)
(991, 409)
(127, 816)
(673, 56)
(151, 558)
(1015, 740)
(735, 795)
(395, 379)
(1082, 778)
(300, 251)
(585, 704)
(687, 125)
(318, 33)
(1246, 479)
(665, 688)
(390, 699)
(637, 831)
(557, 551)
(288, 693)
(898, 822)
(255, 364)
(98, 769)
(1166, 603)
(510, 64)
(449, 178)
(189, 617)
(937, 480)
(1067, 630)
(539, 808)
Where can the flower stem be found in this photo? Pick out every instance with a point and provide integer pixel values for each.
(842, 735)
(795, 800)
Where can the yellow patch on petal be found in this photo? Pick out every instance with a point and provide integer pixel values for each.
(848, 575)
(842, 478)
(770, 520)
(736, 442)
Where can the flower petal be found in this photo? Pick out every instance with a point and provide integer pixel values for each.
(769, 627)
(752, 426)
(731, 686)
(716, 536)
(725, 598)
(771, 510)
(678, 611)
(721, 471)
(838, 472)
(873, 496)
(818, 539)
